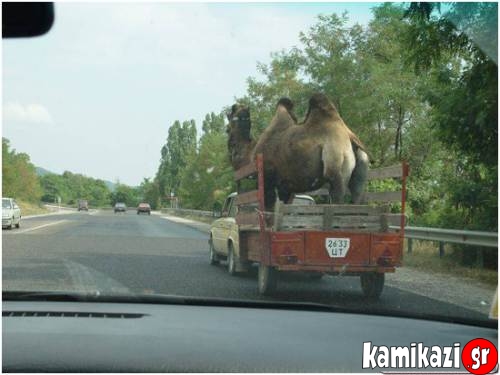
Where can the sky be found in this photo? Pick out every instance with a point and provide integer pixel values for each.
(97, 94)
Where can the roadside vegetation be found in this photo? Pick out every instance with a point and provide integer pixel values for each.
(425, 257)
(29, 208)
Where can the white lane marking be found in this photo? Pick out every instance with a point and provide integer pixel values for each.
(49, 214)
(178, 219)
(38, 227)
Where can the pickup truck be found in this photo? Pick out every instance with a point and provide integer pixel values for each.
(224, 233)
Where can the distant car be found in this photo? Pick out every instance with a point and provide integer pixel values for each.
(83, 205)
(144, 208)
(120, 207)
(11, 213)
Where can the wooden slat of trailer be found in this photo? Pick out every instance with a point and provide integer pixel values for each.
(334, 222)
(248, 197)
(394, 171)
(247, 218)
(391, 219)
(315, 222)
(337, 209)
(286, 209)
(386, 196)
(245, 171)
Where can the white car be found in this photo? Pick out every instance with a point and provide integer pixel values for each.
(11, 213)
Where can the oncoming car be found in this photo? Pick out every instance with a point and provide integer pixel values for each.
(11, 213)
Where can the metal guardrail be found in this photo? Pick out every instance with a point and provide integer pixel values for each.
(183, 211)
(464, 237)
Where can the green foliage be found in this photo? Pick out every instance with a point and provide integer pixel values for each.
(181, 143)
(208, 177)
(457, 52)
(149, 192)
(19, 179)
(125, 194)
(72, 186)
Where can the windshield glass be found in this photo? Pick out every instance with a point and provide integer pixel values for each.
(6, 203)
(385, 114)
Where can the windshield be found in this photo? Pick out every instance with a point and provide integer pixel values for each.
(6, 203)
(384, 114)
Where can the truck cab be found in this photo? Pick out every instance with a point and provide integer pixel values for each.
(83, 205)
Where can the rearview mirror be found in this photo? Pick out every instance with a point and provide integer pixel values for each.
(26, 19)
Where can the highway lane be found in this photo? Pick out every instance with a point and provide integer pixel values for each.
(129, 253)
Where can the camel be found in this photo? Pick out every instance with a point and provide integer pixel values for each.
(303, 157)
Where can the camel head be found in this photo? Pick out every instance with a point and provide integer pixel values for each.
(239, 140)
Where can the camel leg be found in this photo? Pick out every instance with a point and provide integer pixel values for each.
(337, 189)
(359, 176)
(285, 196)
(269, 192)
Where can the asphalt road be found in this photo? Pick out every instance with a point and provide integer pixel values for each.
(129, 253)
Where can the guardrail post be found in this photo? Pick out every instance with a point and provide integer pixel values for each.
(410, 245)
(441, 249)
(480, 258)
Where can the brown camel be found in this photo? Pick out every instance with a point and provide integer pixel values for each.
(304, 157)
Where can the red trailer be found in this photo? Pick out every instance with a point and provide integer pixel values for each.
(348, 240)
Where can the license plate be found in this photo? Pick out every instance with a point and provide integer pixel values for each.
(337, 247)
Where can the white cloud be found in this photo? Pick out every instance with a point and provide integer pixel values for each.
(28, 113)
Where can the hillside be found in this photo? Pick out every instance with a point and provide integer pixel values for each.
(42, 172)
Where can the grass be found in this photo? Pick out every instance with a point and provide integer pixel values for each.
(425, 257)
(28, 208)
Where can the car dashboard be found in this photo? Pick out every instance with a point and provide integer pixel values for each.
(139, 337)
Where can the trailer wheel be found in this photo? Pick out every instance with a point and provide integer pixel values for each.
(231, 260)
(372, 284)
(268, 280)
(213, 259)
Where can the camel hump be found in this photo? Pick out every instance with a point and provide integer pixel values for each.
(321, 101)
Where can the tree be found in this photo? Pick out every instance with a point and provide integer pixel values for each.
(181, 143)
(208, 176)
(149, 192)
(19, 179)
(125, 194)
(459, 49)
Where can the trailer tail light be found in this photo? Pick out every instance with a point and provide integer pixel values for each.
(288, 257)
(386, 259)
